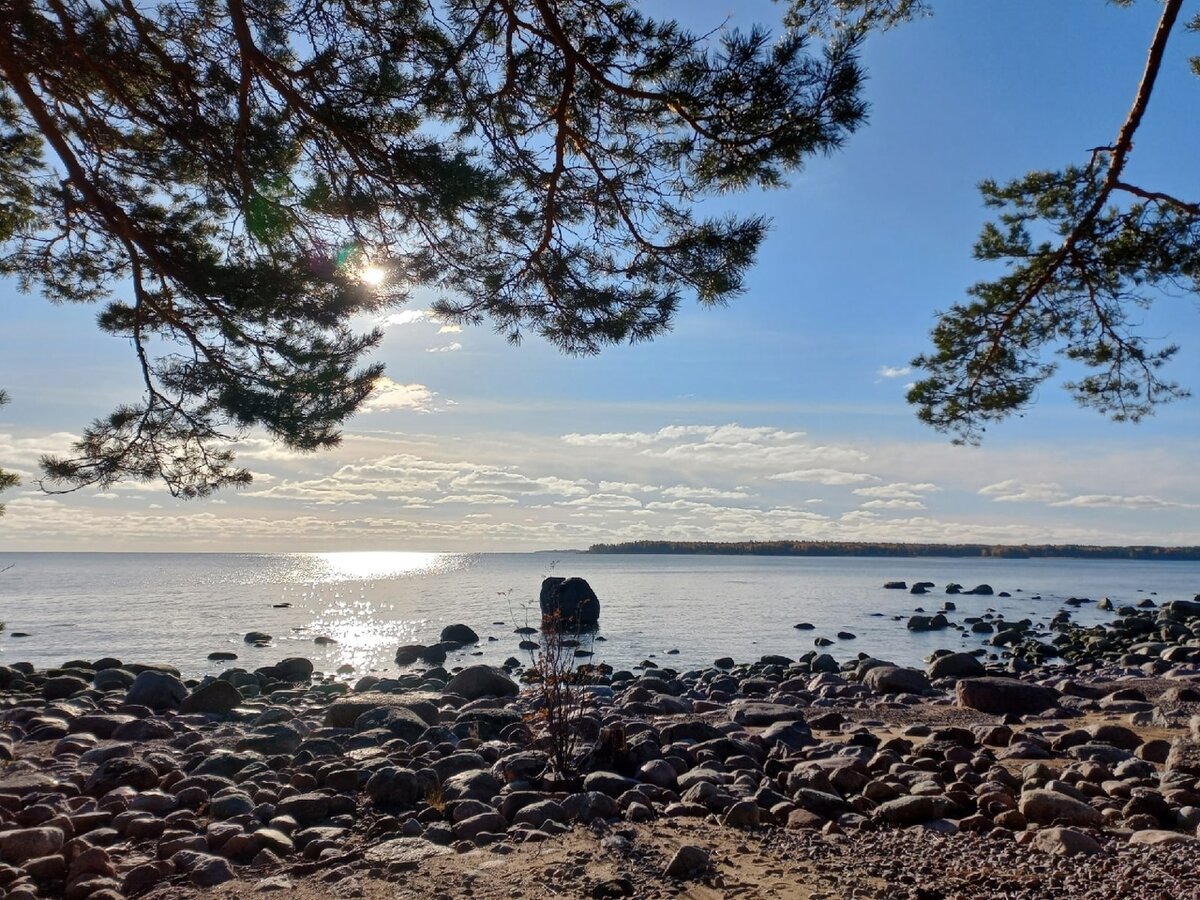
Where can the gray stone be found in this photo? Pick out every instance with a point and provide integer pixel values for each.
(896, 680)
(1004, 695)
(157, 690)
(474, 682)
(30, 843)
(913, 810)
(1065, 842)
(688, 862)
(757, 713)
(217, 697)
(956, 665)
(1051, 808)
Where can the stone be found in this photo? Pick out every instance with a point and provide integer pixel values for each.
(157, 690)
(956, 665)
(896, 680)
(203, 869)
(474, 682)
(404, 853)
(217, 697)
(758, 713)
(688, 862)
(399, 721)
(913, 810)
(1157, 837)
(742, 814)
(1065, 842)
(459, 634)
(1004, 696)
(63, 686)
(344, 712)
(794, 735)
(391, 786)
(121, 771)
(294, 668)
(1052, 808)
(475, 785)
(1184, 756)
(569, 604)
(470, 828)
(30, 843)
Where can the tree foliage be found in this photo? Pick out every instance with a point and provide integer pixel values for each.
(7, 479)
(238, 182)
(1086, 252)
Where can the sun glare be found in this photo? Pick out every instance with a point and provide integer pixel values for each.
(372, 275)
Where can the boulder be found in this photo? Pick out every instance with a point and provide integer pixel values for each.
(956, 665)
(569, 604)
(459, 634)
(294, 668)
(928, 623)
(474, 682)
(896, 680)
(688, 862)
(1000, 696)
(30, 843)
(1065, 842)
(344, 712)
(913, 810)
(157, 690)
(1052, 808)
(217, 697)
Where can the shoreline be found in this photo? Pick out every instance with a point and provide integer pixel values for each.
(785, 777)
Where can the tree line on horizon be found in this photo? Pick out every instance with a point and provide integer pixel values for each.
(899, 549)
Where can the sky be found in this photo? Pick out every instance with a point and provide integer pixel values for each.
(779, 416)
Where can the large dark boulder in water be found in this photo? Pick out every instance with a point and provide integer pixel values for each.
(569, 604)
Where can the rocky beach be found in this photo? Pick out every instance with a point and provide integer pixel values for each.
(1052, 763)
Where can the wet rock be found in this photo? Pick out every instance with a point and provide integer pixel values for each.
(459, 634)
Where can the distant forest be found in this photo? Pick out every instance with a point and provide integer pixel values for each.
(860, 548)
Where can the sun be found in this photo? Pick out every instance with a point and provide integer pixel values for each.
(372, 275)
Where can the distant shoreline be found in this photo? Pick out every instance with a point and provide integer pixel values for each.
(899, 550)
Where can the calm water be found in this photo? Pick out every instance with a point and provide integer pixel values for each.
(177, 608)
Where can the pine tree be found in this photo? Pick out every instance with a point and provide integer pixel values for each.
(236, 180)
(7, 479)
(1117, 247)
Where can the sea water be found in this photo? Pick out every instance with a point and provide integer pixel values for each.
(681, 611)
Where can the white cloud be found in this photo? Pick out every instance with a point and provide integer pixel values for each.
(448, 348)
(450, 329)
(893, 504)
(898, 490)
(1013, 491)
(823, 476)
(706, 493)
(1115, 501)
(390, 395)
(894, 371)
(406, 317)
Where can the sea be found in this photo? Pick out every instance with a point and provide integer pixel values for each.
(676, 611)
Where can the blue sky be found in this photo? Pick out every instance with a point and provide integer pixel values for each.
(779, 416)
